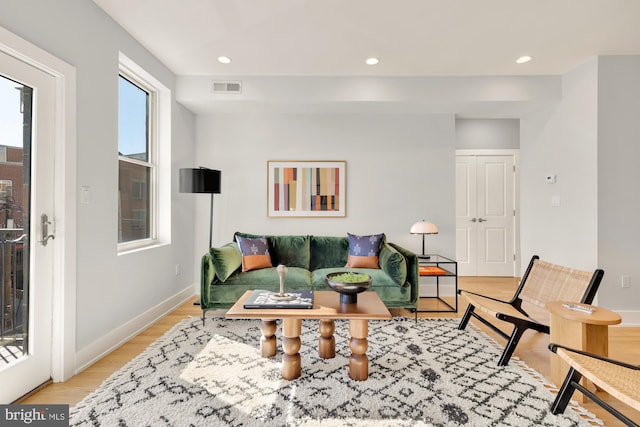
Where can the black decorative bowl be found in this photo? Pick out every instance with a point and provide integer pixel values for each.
(348, 285)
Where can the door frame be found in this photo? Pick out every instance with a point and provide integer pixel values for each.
(515, 153)
(63, 348)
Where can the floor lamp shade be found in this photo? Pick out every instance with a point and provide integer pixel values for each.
(200, 180)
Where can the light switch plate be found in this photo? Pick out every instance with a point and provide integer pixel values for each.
(85, 195)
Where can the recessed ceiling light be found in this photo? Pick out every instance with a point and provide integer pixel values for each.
(224, 60)
(523, 59)
(372, 61)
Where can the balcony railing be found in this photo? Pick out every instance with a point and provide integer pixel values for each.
(13, 295)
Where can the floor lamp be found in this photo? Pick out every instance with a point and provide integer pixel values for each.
(201, 180)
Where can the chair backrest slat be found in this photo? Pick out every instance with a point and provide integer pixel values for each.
(550, 282)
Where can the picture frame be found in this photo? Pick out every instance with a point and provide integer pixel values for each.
(306, 188)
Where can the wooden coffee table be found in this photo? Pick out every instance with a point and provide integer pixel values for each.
(327, 309)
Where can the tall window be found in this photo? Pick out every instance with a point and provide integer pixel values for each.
(135, 150)
(144, 184)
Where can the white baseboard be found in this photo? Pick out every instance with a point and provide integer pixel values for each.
(114, 339)
(629, 318)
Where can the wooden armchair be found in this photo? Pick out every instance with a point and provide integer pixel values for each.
(541, 283)
(619, 379)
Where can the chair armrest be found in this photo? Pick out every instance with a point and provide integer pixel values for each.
(554, 347)
(460, 291)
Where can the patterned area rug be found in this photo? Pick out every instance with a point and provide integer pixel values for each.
(420, 374)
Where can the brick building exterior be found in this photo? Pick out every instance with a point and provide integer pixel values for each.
(13, 194)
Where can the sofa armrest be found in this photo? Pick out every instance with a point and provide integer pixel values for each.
(207, 274)
(412, 271)
(393, 263)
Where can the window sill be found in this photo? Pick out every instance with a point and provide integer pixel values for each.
(130, 248)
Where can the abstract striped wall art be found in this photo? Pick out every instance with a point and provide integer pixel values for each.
(306, 188)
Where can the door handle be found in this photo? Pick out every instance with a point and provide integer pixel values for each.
(481, 220)
(44, 223)
(473, 219)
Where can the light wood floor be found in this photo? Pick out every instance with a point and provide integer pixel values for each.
(624, 343)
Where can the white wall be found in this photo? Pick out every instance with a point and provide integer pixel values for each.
(562, 140)
(112, 291)
(469, 97)
(591, 142)
(618, 179)
(483, 134)
(400, 169)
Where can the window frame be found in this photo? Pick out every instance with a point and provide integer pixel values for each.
(139, 189)
(158, 161)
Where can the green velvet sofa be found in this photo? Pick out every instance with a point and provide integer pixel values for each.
(308, 259)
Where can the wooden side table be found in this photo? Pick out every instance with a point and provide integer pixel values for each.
(581, 331)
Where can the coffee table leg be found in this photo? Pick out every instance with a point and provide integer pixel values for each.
(291, 365)
(358, 362)
(268, 339)
(327, 342)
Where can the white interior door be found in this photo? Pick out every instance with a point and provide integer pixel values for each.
(466, 216)
(496, 216)
(28, 364)
(485, 215)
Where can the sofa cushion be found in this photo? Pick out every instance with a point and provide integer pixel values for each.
(292, 251)
(394, 263)
(226, 260)
(255, 253)
(328, 251)
(364, 251)
(267, 278)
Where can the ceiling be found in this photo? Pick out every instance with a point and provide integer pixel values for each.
(410, 37)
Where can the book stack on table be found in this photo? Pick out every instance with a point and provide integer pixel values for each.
(429, 270)
(261, 298)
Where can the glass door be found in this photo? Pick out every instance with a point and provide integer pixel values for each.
(26, 187)
(15, 148)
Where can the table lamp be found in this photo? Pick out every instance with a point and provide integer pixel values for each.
(424, 227)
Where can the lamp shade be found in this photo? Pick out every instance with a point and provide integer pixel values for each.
(424, 227)
(200, 180)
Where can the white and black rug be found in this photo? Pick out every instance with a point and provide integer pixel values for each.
(424, 373)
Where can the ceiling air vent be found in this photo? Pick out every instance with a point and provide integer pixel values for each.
(227, 87)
